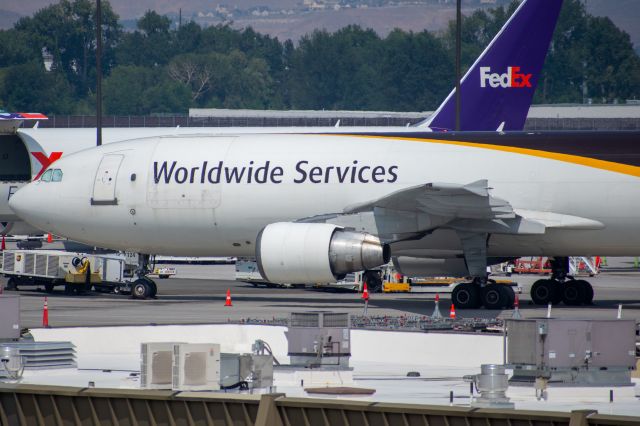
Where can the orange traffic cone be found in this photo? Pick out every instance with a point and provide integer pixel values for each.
(365, 293)
(228, 301)
(49, 238)
(3, 247)
(452, 312)
(45, 314)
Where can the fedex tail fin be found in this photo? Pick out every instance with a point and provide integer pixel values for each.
(497, 90)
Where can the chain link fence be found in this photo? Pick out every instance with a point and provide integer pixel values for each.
(79, 121)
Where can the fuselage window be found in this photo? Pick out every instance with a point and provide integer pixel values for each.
(46, 177)
(57, 175)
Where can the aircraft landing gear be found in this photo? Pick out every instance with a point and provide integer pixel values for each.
(483, 292)
(144, 287)
(561, 287)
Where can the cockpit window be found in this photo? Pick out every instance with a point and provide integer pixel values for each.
(57, 175)
(46, 177)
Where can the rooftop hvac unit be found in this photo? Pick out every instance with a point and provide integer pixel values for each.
(571, 351)
(156, 363)
(196, 366)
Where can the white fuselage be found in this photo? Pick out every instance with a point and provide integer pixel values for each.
(190, 213)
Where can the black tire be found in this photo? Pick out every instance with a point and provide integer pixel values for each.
(574, 293)
(140, 289)
(154, 289)
(545, 291)
(374, 282)
(494, 296)
(466, 296)
(511, 296)
(12, 284)
(588, 291)
(48, 287)
(70, 289)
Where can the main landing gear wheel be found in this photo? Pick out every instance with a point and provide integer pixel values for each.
(511, 296)
(495, 296)
(545, 291)
(574, 293)
(141, 289)
(588, 291)
(466, 296)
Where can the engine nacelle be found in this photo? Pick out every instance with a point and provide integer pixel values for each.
(312, 253)
(429, 267)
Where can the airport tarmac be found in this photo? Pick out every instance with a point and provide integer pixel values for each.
(197, 295)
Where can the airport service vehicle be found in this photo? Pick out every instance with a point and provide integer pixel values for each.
(499, 85)
(77, 272)
(312, 208)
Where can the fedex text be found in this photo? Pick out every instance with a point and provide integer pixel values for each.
(512, 78)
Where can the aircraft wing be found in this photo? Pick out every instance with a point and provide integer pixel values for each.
(471, 209)
(455, 201)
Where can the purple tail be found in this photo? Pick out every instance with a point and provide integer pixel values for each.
(497, 90)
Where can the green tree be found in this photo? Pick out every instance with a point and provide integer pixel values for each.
(17, 48)
(139, 90)
(335, 71)
(151, 45)
(415, 72)
(67, 31)
(28, 87)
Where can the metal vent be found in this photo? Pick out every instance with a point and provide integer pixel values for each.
(29, 263)
(46, 355)
(196, 366)
(161, 367)
(41, 264)
(305, 319)
(156, 365)
(52, 265)
(9, 262)
(336, 320)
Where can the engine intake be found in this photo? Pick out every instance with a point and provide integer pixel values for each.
(313, 253)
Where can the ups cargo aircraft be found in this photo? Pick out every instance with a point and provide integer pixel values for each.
(500, 85)
(316, 204)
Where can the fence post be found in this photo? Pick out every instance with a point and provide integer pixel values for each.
(268, 414)
(579, 417)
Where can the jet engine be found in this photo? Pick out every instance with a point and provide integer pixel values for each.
(311, 253)
(429, 267)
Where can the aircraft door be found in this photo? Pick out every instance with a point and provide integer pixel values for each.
(104, 187)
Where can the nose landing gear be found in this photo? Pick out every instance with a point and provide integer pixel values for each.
(144, 287)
